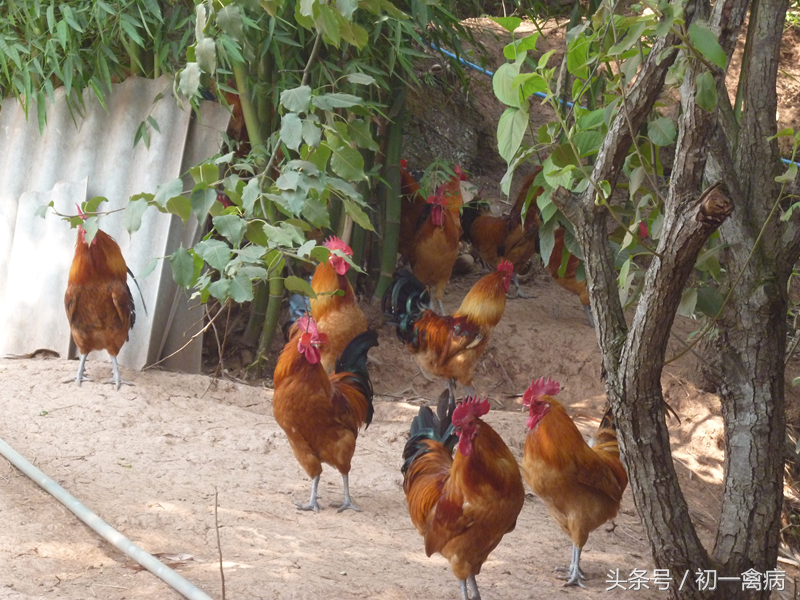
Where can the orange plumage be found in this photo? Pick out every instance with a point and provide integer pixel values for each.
(448, 346)
(339, 317)
(568, 281)
(462, 506)
(506, 237)
(98, 300)
(430, 231)
(581, 485)
(320, 413)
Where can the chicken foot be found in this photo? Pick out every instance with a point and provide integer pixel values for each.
(80, 377)
(574, 573)
(312, 503)
(115, 376)
(518, 287)
(469, 589)
(347, 502)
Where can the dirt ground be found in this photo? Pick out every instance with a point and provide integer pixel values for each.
(151, 458)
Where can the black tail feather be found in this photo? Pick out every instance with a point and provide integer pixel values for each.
(354, 360)
(469, 212)
(427, 426)
(404, 302)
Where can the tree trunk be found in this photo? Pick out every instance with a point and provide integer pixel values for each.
(748, 366)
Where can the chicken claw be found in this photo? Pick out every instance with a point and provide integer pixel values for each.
(347, 502)
(80, 377)
(115, 377)
(312, 502)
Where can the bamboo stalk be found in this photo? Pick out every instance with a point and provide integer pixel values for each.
(390, 194)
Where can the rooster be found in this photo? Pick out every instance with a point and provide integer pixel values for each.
(430, 231)
(448, 346)
(462, 506)
(337, 316)
(320, 413)
(568, 280)
(508, 236)
(98, 301)
(581, 485)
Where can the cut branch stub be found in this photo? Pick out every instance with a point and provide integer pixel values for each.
(714, 206)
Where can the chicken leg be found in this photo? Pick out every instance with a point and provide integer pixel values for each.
(312, 503)
(115, 376)
(520, 294)
(574, 574)
(81, 366)
(347, 502)
(469, 589)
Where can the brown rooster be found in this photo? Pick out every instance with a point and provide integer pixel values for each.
(337, 316)
(98, 300)
(448, 346)
(320, 413)
(462, 506)
(430, 231)
(506, 237)
(581, 485)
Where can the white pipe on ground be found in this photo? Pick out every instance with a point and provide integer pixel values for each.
(114, 537)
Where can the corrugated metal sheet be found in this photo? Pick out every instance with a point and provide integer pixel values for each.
(74, 161)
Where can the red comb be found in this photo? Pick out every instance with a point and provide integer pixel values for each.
(459, 173)
(334, 243)
(403, 164)
(472, 405)
(538, 388)
(505, 265)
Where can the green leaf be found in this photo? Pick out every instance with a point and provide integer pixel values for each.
(255, 233)
(688, 302)
(189, 79)
(241, 288)
(182, 267)
(592, 119)
(42, 210)
(312, 133)
(588, 142)
(292, 131)
(360, 78)
(168, 190)
(578, 57)
(503, 85)
(510, 24)
(631, 37)
(709, 301)
(789, 175)
(297, 100)
(316, 212)
(346, 8)
(92, 205)
(250, 195)
(358, 215)
(513, 50)
(206, 55)
(90, 226)
(205, 173)
(231, 226)
(215, 252)
(149, 268)
(202, 200)
(277, 236)
(132, 217)
(707, 44)
(328, 24)
(219, 289)
(348, 163)
(359, 131)
(301, 286)
(181, 206)
(229, 19)
(706, 96)
(333, 101)
(510, 131)
(662, 131)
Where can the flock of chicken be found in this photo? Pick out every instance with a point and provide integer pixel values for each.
(462, 502)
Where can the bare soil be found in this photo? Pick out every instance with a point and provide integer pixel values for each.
(152, 460)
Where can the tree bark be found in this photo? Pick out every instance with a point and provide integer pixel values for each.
(749, 360)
